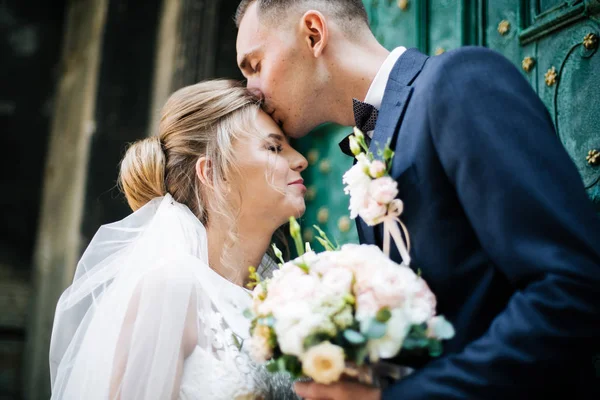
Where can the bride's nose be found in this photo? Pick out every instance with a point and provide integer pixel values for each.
(298, 163)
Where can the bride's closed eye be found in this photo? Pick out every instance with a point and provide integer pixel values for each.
(274, 142)
(275, 148)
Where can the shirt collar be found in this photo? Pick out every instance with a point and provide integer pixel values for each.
(377, 88)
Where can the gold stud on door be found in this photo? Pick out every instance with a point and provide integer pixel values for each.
(528, 63)
(403, 4)
(503, 27)
(593, 158)
(590, 41)
(550, 77)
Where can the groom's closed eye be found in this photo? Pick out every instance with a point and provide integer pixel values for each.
(245, 64)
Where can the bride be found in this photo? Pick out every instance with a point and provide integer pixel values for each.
(155, 308)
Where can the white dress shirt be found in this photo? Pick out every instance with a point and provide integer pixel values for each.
(377, 88)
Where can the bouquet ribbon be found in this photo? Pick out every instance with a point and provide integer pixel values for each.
(391, 228)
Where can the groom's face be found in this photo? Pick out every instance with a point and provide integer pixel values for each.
(279, 68)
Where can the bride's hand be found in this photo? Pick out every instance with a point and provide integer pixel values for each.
(336, 391)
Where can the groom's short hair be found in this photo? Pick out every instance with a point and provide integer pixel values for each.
(346, 12)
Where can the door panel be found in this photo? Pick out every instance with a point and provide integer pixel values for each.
(503, 18)
(572, 95)
(394, 22)
(444, 25)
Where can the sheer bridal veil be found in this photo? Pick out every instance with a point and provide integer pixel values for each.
(136, 297)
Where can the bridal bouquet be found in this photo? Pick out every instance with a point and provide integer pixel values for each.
(338, 312)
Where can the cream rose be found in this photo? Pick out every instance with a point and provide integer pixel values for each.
(324, 363)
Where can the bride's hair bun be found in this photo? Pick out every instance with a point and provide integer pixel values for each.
(142, 176)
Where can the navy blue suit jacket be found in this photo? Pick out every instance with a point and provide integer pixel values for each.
(500, 227)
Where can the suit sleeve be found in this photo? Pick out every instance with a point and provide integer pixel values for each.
(525, 201)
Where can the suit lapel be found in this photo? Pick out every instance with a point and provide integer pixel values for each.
(397, 95)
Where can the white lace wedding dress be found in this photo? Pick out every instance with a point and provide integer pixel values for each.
(146, 318)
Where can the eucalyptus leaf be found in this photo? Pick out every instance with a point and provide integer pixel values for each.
(435, 348)
(315, 339)
(374, 329)
(354, 337)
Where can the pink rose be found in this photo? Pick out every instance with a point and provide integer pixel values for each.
(383, 190)
(373, 213)
(366, 306)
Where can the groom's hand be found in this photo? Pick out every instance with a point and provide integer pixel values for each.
(336, 391)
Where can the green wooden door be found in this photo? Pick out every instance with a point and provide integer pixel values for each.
(543, 38)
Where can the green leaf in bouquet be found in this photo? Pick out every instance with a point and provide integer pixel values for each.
(412, 343)
(272, 365)
(435, 348)
(315, 339)
(383, 315)
(295, 234)
(324, 240)
(374, 329)
(292, 365)
(354, 337)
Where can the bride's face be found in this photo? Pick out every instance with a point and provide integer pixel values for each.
(270, 183)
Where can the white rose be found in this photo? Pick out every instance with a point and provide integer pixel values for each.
(383, 190)
(324, 363)
(260, 350)
(295, 322)
(357, 183)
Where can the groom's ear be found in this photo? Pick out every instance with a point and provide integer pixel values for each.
(313, 28)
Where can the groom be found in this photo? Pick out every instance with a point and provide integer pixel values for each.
(499, 222)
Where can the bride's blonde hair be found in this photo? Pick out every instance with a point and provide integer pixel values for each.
(198, 120)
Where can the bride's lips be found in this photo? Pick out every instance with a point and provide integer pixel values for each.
(299, 182)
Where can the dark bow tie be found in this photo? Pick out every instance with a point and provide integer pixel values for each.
(365, 117)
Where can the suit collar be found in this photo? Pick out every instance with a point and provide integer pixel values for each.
(397, 95)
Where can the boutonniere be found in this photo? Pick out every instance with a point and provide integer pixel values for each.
(373, 193)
